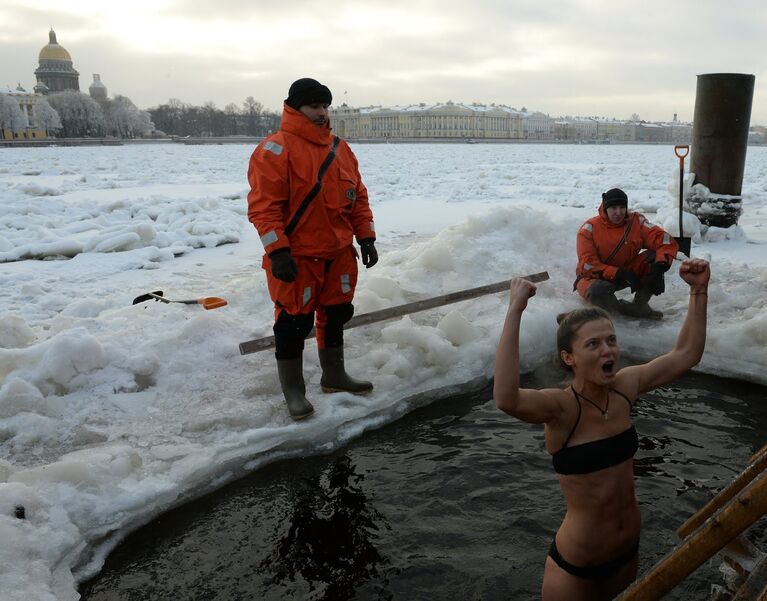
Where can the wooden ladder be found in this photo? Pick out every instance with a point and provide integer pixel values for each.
(718, 526)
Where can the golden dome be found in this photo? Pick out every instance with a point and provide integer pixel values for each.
(52, 51)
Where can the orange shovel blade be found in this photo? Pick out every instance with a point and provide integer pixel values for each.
(212, 302)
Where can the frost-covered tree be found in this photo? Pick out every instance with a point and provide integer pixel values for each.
(116, 118)
(45, 117)
(141, 123)
(123, 119)
(80, 115)
(12, 118)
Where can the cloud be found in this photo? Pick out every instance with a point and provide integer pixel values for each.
(562, 57)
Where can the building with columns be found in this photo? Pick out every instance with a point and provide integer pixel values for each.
(55, 72)
(447, 120)
(26, 102)
(476, 122)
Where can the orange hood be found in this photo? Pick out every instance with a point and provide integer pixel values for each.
(606, 220)
(295, 122)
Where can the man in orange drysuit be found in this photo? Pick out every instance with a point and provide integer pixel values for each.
(619, 249)
(310, 260)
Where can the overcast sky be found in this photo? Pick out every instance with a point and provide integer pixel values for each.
(581, 57)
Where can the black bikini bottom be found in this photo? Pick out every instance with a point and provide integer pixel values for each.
(602, 571)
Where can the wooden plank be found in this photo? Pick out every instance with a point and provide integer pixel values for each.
(755, 586)
(262, 344)
(760, 453)
(716, 532)
(724, 495)
(742, 555)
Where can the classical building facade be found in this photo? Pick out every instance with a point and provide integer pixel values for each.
(55, 72)
(474, 122)
(439, 121)
(26, 102)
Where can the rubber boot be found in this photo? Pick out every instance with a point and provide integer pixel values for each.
(604, 299)
(291, 372)
(640, 306)
(334, 376)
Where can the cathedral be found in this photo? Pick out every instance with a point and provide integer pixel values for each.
(55, 72)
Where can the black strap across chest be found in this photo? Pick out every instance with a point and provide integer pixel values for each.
(315, 189)
(622, 241)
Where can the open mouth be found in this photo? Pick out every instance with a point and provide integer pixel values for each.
(608, 367)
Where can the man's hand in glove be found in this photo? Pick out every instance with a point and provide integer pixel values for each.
(655, 281)
(632, 279)
(283, 266)
(368, 252)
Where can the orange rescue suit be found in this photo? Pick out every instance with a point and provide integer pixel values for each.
(282, 171)
(597, 239)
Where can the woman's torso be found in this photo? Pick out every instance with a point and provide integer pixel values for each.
(602, 512)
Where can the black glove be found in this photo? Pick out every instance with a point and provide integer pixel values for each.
(632, 279)
(655, 281)
(369, 252)
(283, 266)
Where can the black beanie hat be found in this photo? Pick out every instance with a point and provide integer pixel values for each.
(615, 197)
(307, 91)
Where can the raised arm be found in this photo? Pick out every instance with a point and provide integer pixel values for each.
(691, 341)
(534, 406)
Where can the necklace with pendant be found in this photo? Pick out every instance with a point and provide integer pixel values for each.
(604, 411)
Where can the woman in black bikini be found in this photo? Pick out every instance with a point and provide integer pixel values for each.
(589, 434)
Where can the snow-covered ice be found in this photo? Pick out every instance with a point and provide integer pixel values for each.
(111, 413)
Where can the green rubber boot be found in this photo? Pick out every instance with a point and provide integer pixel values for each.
(608, 302)
(291, 372)
(602, 294)
(334, 376)
(640, 307)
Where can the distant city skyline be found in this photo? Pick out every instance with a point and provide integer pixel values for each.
(577, 57)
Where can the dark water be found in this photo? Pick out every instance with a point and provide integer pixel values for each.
(454, 501)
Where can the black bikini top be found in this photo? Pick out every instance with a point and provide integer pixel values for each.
(597, 454)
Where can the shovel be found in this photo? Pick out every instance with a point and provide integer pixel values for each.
(683, 241)
(209, 302)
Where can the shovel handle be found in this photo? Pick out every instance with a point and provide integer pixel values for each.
(684, 242)
(209, 302)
